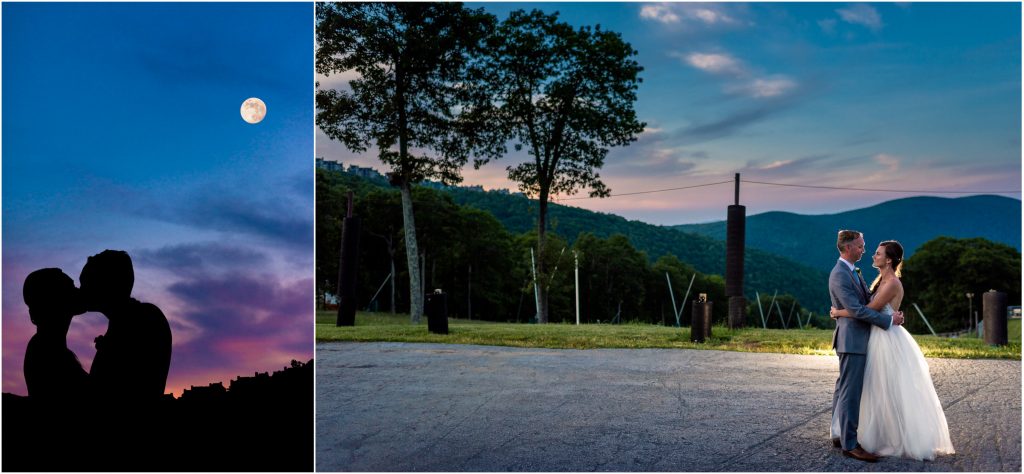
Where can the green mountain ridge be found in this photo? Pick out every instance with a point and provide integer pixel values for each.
(764, 272)
(810, 239)
(787, 252)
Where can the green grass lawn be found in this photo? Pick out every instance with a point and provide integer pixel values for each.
(397, 328)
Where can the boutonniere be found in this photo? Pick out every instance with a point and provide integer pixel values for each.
(857, 269)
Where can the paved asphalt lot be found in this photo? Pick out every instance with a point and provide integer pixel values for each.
(441, 407)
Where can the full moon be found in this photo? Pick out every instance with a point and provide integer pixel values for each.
(253, 110)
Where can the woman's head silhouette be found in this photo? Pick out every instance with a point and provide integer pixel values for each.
(51, 296)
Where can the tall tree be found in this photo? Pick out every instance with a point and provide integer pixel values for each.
(330, 200)
(943, 270)
(612, 274)
(559, 280)
(566, 95)
(385, 226)
(487, 258)
(416, 98)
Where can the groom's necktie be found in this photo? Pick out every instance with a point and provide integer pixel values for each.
(860, 284)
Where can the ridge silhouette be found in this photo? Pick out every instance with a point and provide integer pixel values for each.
(258, 423)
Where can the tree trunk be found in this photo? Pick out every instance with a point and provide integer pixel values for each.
(405, 174)
(469, 293)
(412, 251)
(542, 311)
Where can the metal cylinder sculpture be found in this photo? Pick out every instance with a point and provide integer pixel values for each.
(436, 307)
(737, 312)
(735, 237)
(994, 311)
(734, 240)
(348, 268)
(700, 329)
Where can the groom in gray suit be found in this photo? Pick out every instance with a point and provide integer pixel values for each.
(848, 291)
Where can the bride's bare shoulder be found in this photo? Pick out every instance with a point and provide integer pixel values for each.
(889, 289)
(898, 294)
(897, 291)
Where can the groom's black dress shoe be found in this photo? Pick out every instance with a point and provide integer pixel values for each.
(836, 443)
(860, 454)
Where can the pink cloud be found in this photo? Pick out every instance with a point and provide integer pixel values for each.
(655, 163)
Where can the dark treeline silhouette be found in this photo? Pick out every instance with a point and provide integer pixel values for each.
(258, 423)
(967, 266)
(498, 250)
(484, 267)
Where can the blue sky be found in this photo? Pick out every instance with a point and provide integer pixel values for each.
(912, 96)
(121, 130)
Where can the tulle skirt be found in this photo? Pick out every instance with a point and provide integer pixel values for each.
(900, 413)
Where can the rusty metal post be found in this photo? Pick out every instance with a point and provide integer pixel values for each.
(348, 267)
(994, 314)
(700, 328)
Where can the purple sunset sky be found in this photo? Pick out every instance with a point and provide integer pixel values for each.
(144, 150)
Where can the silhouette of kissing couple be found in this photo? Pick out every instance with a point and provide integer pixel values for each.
(132, 358)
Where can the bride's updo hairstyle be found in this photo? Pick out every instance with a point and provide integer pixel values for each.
(894, 252)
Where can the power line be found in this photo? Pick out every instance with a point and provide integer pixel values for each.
(838, 188)
(649, 192)
(880, 190)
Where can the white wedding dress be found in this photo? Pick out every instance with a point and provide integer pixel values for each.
(900, 413)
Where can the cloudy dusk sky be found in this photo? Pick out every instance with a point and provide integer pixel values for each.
(901, 97)
(121, 130)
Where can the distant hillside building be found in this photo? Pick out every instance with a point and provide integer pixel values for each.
(329, 165)
(260, 384)
(427, 183)
(242, 384)
(207, 392)
(365, 173)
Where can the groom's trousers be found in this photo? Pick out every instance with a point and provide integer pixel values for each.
(846, 399)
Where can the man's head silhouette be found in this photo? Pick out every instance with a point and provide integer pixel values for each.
(107, 279)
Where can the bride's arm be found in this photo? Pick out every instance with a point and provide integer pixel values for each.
(884, 295)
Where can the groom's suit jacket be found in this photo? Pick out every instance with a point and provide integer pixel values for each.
(849, 291)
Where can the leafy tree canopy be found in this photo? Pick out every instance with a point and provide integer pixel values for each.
(418, 85)
(942, 271)
(564, 94)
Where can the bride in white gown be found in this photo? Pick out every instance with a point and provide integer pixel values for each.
(900, 413)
